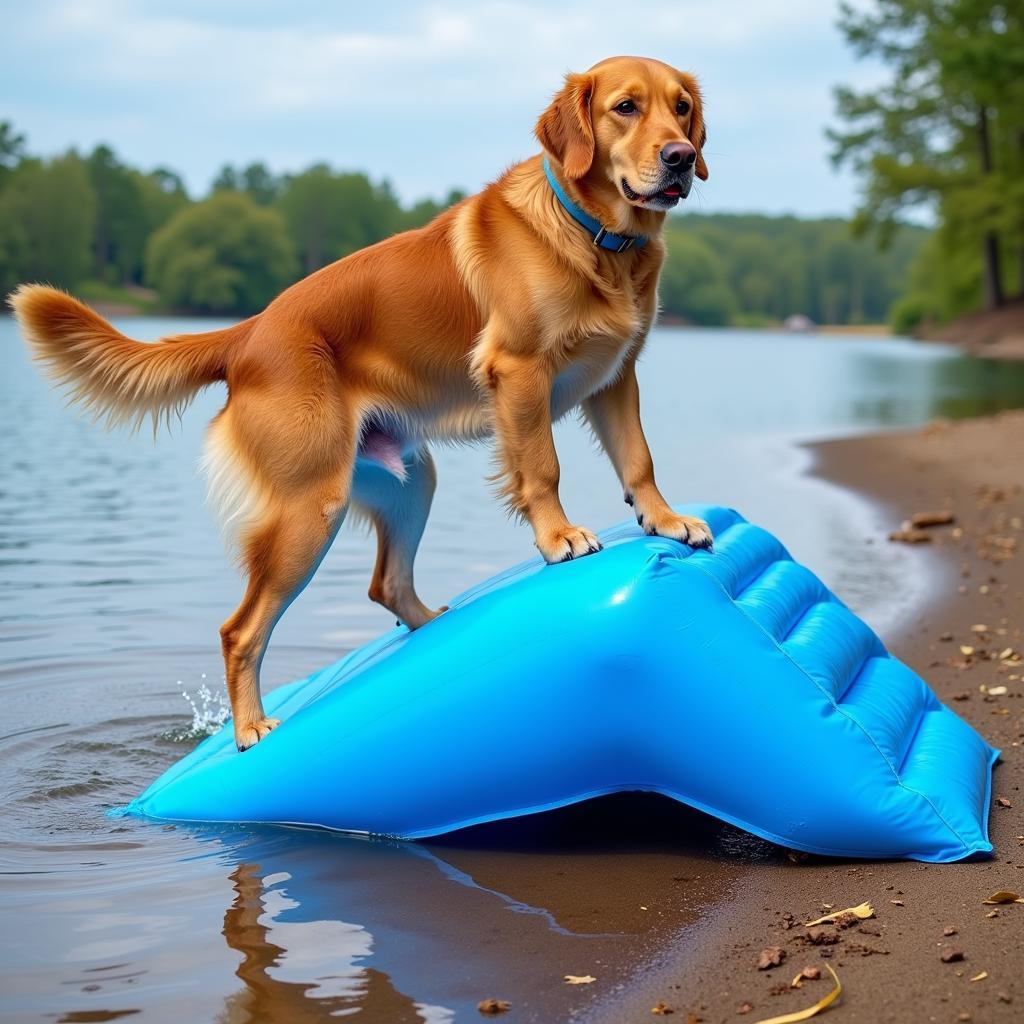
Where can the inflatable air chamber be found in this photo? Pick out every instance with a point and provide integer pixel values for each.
(731, 680)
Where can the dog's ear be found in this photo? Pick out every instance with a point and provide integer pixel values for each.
(565, 129)
(698, 133)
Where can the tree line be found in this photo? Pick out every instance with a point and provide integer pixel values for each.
(751, 269)
(103, 229)
(93, 224)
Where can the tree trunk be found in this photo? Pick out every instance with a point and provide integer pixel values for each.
(990, 243)
(1020, 228)
(993, 284)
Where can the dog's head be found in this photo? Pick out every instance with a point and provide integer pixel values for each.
(631, 123)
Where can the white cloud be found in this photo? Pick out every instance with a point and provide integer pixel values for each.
(192, 85)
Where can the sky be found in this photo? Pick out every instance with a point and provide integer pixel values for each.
(429, 96)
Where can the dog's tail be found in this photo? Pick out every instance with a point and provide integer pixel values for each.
(111, 376)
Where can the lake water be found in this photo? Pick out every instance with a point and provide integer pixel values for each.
(112, 587)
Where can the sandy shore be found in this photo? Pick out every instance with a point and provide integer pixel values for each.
(891, 967)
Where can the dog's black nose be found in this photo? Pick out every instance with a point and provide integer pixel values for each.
(680, 156)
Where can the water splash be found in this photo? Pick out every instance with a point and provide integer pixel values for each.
(209, 713)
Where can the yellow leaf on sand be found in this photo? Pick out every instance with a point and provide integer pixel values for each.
(863, 911)
(1004, 896)
(821, 1004)
(579, 979)
(980, 977)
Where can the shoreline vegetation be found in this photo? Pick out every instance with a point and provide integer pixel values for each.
(132, 241)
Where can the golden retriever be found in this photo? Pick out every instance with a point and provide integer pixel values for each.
(498, 317)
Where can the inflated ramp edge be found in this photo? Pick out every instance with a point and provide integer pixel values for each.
(733, 681)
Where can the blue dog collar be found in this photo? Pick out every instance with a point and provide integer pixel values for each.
(601, 237)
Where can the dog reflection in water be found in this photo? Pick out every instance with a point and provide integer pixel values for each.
(302, 971)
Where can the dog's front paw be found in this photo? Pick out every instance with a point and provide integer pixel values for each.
(568, 542)
(248, 734)
(689, 530)
(416, 620)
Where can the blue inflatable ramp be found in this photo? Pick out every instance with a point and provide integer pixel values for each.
(731, 680)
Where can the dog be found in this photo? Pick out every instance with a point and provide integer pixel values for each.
(513, 307)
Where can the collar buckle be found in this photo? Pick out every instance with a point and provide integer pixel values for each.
(626, 244)
(598, 233)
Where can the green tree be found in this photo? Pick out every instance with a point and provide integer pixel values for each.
(256, 181)
(940, 285)
(693, 284)
(752, 269)
(121, 228)
(47, 218)
(227, 180)
(162, 194)
(224, 255)
(772, 267)
(947, 131)
(330, 215)
(259, 184)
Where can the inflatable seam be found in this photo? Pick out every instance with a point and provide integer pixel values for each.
(866, 648)
(927, 799)
(821, 689)
(753, 571)
(791, 622)
(795, 624)
(754, 581)
(854, 676)
(969, 847)
(913, 740)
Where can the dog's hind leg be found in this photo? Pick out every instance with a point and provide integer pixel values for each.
(398, 510)
(280, 556)
(302, 482)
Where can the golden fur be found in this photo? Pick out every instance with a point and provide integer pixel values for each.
(497, 317)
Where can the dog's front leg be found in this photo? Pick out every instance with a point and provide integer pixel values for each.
(614, 414)
(521, 393)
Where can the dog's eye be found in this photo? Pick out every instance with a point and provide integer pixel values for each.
(626, 107)
(682, 107)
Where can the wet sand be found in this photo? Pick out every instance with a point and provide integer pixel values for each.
(891, 967)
